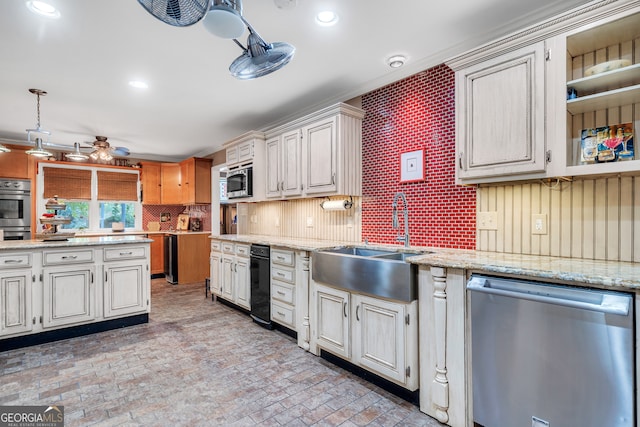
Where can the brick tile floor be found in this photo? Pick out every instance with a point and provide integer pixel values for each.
(196, 363)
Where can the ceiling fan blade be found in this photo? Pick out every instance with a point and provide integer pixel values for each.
(173, 9)
(120, 151)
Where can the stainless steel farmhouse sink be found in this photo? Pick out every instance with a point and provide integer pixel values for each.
(376, 272)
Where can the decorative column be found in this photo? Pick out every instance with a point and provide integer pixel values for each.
(302, 303)
(440, 384)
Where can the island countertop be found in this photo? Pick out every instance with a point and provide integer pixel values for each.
(7, 245)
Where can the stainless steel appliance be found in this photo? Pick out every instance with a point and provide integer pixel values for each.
(261, 285)
(240, 182)
(15, 209)
(547, 355)
(171, 258)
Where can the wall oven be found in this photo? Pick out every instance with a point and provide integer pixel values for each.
(15, 209)
(240, 183)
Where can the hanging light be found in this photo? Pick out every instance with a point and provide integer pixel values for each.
(4, 149)
(38, 151)
(76, 154)
(102, 150)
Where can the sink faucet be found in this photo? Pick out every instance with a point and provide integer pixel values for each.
(401, 238)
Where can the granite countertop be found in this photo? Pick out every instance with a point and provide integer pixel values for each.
(136, 233)
(607, 274)
(6, 245)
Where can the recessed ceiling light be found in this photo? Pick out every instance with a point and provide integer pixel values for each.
(43, 9)
(396, 61)
(326, 18)
(139, 84)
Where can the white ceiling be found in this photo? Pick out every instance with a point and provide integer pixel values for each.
(85, 59)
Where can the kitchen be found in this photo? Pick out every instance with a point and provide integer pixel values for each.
(432, 226)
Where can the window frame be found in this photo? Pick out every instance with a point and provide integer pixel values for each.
(94, 203)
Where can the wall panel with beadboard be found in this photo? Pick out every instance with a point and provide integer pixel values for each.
(594, 218)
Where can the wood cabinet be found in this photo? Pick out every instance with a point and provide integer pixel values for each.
(193, 251)
(233, 273)
(171, 190)
(16, 287)
(500, 115)
(195, 179)
(16, 164)
(378, 335)
(151, 183)
(157, 253)
(316, 155)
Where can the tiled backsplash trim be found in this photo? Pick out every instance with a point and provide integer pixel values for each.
(415, 113)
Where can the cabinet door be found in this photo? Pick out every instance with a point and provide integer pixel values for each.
(500, 114)
(151, 183)
(273, 167)
(187, 182)
(124, 289)
(157, 253)
(243, 283)
(215, 283)
(321, 158)
(228, 277)
(69, 295)
(16, 164)
(333, 313)
(292, 164)
(15, 301)
(171, 190)
(379, 336)
(245, 151)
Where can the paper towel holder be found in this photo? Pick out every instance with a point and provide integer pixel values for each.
(337, 205)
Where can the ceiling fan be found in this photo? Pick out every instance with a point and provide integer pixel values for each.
(102, 150)
(223, 18)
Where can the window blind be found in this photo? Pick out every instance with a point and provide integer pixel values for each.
(117, 186)
(67, 183)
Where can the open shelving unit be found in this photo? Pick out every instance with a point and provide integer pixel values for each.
(55, 222)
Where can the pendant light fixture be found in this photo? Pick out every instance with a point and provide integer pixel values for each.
(76, 155)
(38, 150)
(4, 149)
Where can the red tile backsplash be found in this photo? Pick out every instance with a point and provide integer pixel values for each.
(411, 114)
(153, 212)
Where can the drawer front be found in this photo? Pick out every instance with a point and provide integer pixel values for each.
(216, 246)
(124, 252)
(281, 257)
(66, 257)
(282, 314)
(228, 248)
(280, 273)
(242, 250)
(15, 261)
(282, 292)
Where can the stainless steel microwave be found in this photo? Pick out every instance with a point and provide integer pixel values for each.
(240, 183)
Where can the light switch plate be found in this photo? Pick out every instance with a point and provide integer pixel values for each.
(309, 221)
(539, 224)
(488, 220)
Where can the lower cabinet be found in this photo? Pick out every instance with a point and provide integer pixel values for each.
(124, 289)
(378, 335)
(69, 295)
(15, 301)
(234, 275)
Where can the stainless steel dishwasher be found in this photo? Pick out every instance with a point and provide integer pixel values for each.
(547, 355)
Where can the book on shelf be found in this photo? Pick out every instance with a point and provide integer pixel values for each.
(607, 144)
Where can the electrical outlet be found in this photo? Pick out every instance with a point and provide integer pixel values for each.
(277, 221)
(309, 221)
(350, 222)
(488, 220)
(539, 224)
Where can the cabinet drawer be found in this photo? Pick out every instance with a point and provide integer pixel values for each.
(284, 274)
(282, 314)
(216, 246)
(281, 257)
(282, 292)
(245, 151)
(124, 253)
(15, 260)
(242, 250)
(227, 248)
(66, 257)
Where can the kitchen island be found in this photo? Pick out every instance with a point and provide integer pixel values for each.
(59, 289)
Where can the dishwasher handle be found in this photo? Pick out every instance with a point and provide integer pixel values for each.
(603, 302)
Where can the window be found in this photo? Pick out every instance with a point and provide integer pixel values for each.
(95, 197)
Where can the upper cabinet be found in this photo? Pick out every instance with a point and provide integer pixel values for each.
(527, 104)
(316, 155)
(248, 150)
(16, 164)
(184, 183)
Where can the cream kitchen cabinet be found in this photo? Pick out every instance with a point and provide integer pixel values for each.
(215, 269)
(235, 276)
(283, 288)
(249, 150)
(126, 281)
(69, 291)
(317, 155)
(376, 334)
(17, 280)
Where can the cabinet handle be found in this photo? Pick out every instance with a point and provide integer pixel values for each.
(460, 160)
(357, 316)
(280, 293)
(280, 258)
(280, 274)
(344, 309)
(92, 277)
(13, 261)
(281, 314)
(105, 276)
(126, 253)
(333, 179)
(69, 256)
